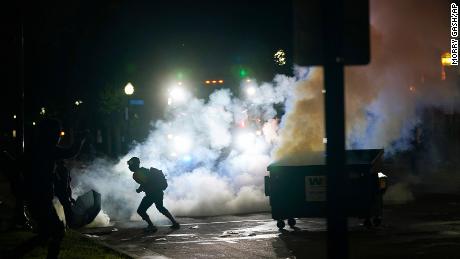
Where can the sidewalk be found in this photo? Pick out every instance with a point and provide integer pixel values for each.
(74, 245)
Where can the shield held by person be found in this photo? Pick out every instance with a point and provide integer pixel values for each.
(86, 209)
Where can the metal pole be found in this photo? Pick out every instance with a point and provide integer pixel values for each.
(337, 239)
(22, 74)
(336, 174)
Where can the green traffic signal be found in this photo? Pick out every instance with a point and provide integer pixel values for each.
(243, 72)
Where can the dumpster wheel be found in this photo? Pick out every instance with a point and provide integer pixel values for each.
(291, 222)
(280, 224)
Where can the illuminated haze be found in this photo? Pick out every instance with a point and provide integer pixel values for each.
(215, 167)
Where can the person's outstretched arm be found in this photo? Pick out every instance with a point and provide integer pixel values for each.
(64, 153)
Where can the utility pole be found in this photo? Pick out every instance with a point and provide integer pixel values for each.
(332, 34)
(337, 225)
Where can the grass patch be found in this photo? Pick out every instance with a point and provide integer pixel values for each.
(73, 246)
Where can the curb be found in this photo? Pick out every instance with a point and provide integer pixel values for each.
(106, 245)
(153, 255)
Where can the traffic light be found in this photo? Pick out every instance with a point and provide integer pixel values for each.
(243, 72)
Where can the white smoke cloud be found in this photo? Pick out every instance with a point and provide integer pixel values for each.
(213, 165)
(387, 98)
(209, 173)
(102, 219)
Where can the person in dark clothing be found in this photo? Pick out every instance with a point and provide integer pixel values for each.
(153, 193)
(63, 191)
(40, 158)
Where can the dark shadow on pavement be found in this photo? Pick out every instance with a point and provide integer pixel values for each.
(300, 243)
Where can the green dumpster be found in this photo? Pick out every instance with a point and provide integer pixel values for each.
(299, 191)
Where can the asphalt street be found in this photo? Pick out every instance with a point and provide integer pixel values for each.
(429, 227)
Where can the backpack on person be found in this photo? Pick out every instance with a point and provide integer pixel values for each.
(158, 178)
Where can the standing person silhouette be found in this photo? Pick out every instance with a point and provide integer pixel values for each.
(62, 189)
(153, 183)
(40, 158)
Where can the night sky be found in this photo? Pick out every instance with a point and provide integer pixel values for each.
(73, 50)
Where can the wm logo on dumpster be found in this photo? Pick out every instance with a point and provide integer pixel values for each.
(315, 188)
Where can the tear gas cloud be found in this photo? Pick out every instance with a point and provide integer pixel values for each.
(386, 99)
(214, 154)
(215, 166)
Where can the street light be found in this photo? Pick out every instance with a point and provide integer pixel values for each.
(182, 144)
(446, 59)
(220, 81)
(245, 140)
(251, 90)
(176, 94)
(129, 89)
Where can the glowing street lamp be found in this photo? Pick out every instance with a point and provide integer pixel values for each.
(245, 140)
(220, 81)
(129, 89)
(176, 94)
(446, 59)
(182, 144)
(251, 90)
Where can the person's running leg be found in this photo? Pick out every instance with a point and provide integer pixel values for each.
(164, 211)
(145, 204)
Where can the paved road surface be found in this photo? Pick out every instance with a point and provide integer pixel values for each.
(426, 228)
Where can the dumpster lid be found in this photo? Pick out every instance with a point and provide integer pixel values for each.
(353, 157)
(310, 158)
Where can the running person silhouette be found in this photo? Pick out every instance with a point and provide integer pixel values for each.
(153, 182)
